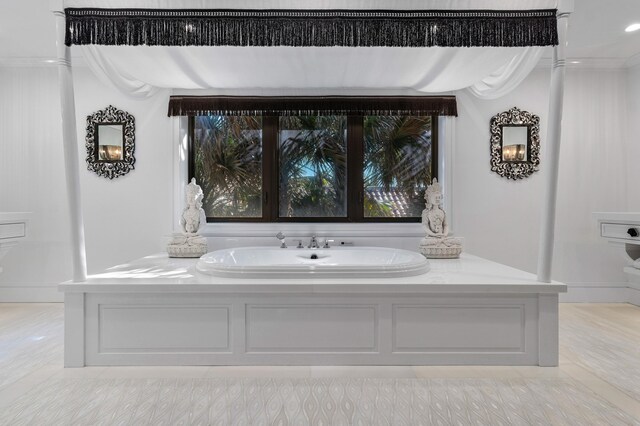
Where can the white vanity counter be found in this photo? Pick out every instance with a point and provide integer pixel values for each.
(160, 311)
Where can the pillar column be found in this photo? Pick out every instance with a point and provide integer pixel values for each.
(70, 145)
(552, 145)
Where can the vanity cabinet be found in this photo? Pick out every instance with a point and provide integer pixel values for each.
(622, 230)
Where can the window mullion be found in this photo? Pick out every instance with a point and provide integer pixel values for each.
(355, 166)
(191, 157)
(434, 147)
(270, 168)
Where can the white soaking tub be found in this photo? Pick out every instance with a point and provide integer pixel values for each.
(335, 262)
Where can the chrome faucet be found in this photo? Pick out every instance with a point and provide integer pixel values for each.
(314, 242)
(326, 243)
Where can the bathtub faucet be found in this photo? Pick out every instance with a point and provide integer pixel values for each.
(281, 237)
(314, 242)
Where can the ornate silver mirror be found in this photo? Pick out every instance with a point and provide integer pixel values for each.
(515, 143)
(110, 142)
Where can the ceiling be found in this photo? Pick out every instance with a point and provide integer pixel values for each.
(596, 32)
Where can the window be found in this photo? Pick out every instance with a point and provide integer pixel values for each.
(313, 159)
(399, 161)
(312, 162)
(320, 168)
(228, 165)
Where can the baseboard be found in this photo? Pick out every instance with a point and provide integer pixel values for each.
(30, 294)
(634, 296)
(596, 293)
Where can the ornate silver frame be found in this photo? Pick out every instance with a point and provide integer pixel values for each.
(515, 169)
(111, 169)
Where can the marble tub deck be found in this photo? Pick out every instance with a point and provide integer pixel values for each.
(468, 273)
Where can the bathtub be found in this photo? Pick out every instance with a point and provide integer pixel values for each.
(335, 262)
(161, 311)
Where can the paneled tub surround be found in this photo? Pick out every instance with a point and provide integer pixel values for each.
(161, 311)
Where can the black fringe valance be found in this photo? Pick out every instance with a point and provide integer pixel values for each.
(321, 28)
(313, 105)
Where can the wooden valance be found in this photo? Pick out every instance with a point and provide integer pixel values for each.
(312, 105)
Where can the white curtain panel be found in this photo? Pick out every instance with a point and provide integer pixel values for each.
(139, 71)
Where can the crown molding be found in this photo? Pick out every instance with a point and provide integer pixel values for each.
(583, 63)
(37, 62)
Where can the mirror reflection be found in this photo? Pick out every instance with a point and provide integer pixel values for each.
(110, 142)
(514, 143)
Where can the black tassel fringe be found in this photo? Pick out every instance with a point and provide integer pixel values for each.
(320, 28)
(312, 105)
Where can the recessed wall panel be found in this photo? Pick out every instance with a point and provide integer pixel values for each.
(458, 329)
(164, 328)
(311, 328)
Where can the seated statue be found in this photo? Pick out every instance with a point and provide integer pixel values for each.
(437, 243)
(189, 243)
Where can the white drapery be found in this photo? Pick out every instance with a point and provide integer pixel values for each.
(140, 70)
(487, 72)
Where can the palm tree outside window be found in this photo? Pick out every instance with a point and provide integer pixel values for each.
(320, 168)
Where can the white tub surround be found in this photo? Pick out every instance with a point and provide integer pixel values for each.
(622, 230)
(161, 311)
(13, 230)
(292, 262)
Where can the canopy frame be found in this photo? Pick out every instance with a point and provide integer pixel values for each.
(68, 30)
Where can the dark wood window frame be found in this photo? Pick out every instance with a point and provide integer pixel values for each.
(355, 176)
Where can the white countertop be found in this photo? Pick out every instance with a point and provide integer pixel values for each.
(469, 274)
(618, 217)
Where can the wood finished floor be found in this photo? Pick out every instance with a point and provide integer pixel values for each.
(597, 382)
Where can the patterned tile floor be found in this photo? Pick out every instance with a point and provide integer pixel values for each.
(597, 383)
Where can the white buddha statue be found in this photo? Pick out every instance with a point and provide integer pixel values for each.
(189, 243)
(437, 243)
(193, 214)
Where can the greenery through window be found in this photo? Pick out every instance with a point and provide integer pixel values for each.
(313, 168)
(228, 165)
(397, 165)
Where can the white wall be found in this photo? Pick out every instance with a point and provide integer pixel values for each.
(633, 138)
(500, 218)
(125, 218)
(128, 217)
(32, 180)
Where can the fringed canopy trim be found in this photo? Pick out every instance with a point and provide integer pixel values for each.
(316, 105)
(320, 28)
